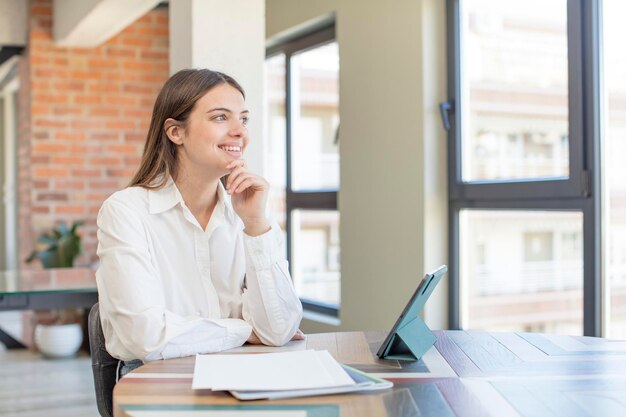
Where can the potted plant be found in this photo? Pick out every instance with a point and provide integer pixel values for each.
(63, 246)
(58, 333)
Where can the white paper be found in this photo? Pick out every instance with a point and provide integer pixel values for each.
(269, 372)
(217, 413)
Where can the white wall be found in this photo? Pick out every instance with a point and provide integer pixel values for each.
(226, 37)
(393, 197)
(12, 23)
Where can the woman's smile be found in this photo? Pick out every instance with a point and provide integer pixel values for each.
(234, 151)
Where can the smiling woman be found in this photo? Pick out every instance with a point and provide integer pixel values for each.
(189, 265)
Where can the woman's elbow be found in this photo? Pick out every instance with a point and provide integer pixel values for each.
(279, 338)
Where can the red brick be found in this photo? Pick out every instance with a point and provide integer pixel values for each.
(104, 87)
(40, 159)
(70, 136)
(104, 161)
(39, 60)
(86, 173)
(41, 10)
(158, 55)
(67, 111)
(120, 125)
(132, 137)
(121, 149)
(52, 197)
(121, 52)
(39, 35)
(104, 136)
(79, 149)
(60, 61)
(102, 63)
(44, 147)
(68, 160)
(70, 209)
(120, 173)
(39, 110)
(105, 111)
(70, 184)
(49, 73)
(46, 98)
(51, 172)
(86, 75)
(69, 85)
(87, 99)
(40, 85)
(137, 89)
(135, 41)
(121, 100)
(154, 31)
(49, 123)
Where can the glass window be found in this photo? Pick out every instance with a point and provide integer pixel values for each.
(523, 180)
(315, 119)
(302, 159)
(514, 86)
(614, 32)
(522, 270)
(315, 259)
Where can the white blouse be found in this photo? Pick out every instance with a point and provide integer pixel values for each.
(167, 288)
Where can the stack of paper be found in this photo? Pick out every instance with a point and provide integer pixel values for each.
(279, 375)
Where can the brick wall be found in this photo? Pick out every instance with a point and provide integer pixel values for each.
(85, 114)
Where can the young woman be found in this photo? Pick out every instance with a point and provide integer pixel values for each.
(188, 265)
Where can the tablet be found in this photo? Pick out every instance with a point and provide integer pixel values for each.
(409, 337)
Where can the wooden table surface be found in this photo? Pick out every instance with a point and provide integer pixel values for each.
(467, 373)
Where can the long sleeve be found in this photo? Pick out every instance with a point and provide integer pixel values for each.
(138, 320)
(270, 302)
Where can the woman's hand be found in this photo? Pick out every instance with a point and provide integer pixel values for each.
(254, 339)
(249, 193)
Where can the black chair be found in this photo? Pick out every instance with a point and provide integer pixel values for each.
(103, 365)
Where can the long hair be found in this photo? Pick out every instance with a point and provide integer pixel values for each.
(176, 100)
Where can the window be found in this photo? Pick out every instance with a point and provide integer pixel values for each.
(524, 190)
(302, 156)
(523, 279)
(614, 134)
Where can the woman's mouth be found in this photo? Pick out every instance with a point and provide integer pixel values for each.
(234, 151)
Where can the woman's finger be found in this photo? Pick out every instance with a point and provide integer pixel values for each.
(298, 336)
(245, 184)
(241, 176)
(232, 177)
(237, 163)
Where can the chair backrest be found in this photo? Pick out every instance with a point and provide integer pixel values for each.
(103, 365)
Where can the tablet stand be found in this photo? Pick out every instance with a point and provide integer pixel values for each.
(410, 342)
(410, 338)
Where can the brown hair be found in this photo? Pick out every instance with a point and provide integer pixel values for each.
(176, 100)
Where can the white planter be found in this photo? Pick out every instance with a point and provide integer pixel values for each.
(58, 340)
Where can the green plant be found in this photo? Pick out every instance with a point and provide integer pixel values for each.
(63, 246)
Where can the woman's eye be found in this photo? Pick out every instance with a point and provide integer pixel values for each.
(245, 120)
(220, 117)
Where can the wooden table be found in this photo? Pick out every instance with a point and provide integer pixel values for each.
(468, 373)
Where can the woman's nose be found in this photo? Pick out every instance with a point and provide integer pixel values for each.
(237, 128)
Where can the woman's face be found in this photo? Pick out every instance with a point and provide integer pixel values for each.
(215, 133)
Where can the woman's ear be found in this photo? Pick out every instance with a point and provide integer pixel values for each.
(174, 131)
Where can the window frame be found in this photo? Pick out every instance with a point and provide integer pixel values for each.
(581, 191)
(323, 199)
